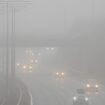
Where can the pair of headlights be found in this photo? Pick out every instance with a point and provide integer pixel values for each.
(88, 85)
(75, 98)
(62, 73)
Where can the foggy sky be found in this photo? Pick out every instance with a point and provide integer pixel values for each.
(56, 21)
(59, 20)
(76, 24)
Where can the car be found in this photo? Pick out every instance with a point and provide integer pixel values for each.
(80, 98)
(60, 75)
(92, 87)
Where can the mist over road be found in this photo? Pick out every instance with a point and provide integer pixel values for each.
(46, 90)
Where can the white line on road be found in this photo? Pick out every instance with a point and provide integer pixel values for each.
(31, 98)
(20, 97)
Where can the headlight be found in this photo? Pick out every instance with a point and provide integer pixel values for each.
(57, 73)
(88, 85)
(30, 67)
(24, 66)
(86, 99)
(62, 73)
(96, 86)
(74, 98)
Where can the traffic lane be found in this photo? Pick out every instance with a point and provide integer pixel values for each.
(43, 95)
(47, 90)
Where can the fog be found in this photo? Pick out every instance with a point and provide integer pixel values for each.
(59, 20)
(50, 51)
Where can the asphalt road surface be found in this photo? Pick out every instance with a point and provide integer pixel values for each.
(46, 90)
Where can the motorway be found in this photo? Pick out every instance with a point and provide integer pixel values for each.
(46, 90)
(18, 93)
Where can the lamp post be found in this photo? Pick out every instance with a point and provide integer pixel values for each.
(10, 6)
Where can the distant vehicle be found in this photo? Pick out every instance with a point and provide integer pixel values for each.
(92, 87)
(60, 75)
(27, 68)
(80, 98)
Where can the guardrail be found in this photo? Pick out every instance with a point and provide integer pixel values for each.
(23, 97)
(31, 99)
(20, 97)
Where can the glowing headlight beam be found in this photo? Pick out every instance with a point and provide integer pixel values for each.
(62, 73)
(74, 98)
(86, 99)
(30, 67)
(18, 64)
(24, 66)
(96, 86)
(57, 73)
(36, 61)
(88, 85)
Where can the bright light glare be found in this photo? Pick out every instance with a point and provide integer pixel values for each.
(88, 85)
(30, 67)
(36, 61)
(62, 73)
(86, 99)
(74, 98)
(57, 73)
(18, 64)
(24, 67)
(96, 86)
